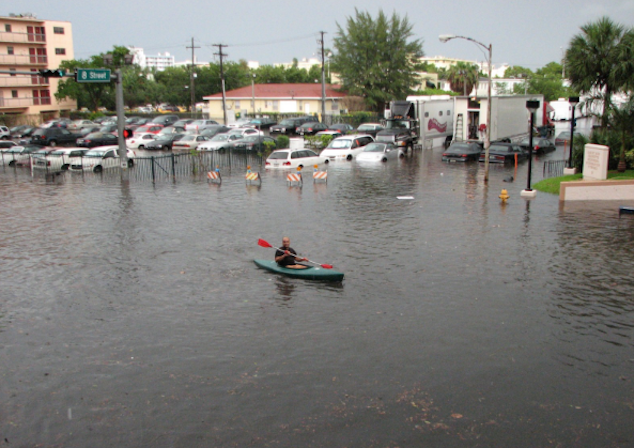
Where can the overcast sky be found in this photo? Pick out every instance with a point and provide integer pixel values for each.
(524, 33)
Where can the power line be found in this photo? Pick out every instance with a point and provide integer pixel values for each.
(290, 39)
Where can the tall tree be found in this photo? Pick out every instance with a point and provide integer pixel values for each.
(377, 58)
(462, 77)
(621, 119)
(597, 61)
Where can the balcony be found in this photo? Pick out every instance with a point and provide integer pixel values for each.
(23, 59)
(15, 103)
(22, 81)
(22, 38)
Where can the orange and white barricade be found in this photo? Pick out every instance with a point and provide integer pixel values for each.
(319, 176)
(214, 176)
(295, 178)
(252, 177)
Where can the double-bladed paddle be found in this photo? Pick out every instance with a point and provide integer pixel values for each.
(263, 243)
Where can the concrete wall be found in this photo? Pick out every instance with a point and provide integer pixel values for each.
(606, 190)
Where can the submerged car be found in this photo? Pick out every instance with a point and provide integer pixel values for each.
(504, 153)
(163, 142)
(346, 147)
(293, 158)
(59, 159)
(16, 154)
(462, 152)
(380, 152)
(540, 145)
(99, 159)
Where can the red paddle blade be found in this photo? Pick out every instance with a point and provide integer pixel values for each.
(326, 266)
(263, 243)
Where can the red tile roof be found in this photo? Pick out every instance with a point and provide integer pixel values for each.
(281, 92)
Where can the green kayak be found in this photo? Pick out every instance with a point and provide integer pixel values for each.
(310, 273)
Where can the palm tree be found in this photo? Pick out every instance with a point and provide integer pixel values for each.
(597, 60)
(621, 119)
(462, 77)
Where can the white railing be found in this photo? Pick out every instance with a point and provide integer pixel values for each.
(22, 59)
(22, 38)
(22, 81)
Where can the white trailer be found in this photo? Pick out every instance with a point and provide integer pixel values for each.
(435, 115)
(562, 108)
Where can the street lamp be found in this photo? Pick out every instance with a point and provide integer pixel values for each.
(532, 106)
(487, 141)
(573, 100)
(253, 93)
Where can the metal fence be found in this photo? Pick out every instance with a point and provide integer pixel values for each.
(554, 168)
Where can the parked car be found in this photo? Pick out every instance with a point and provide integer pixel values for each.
(140, 141)
(197, 125)
(293, 158)
(318, 143)
(151, 128)
(17, 129)
(261, 123)
(78, 125)
(380, 152)
(252, 143)
(24, 131)
(504, 153)
(397, 136)
(52, 137)
(564, 137)
(164, 142)
(165, 120)
(183, 122)
(132, 120)
(84, 132)
(109, 129)
(140, 122)
(172, 130)
(97, 139)
(17, 153)
(219, 142)
(38, 153)
(6, 144)
(462, 152)
(346, 147)
(189, 141)
(59, 159)
(99, 159)
(289, 125)
(211, 131)
(239, 123)
(5, 133)
(343, 128)
(369, 128)
(540, 145)
(243, 132)
(310, 128)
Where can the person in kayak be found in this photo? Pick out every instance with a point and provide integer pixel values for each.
(288, 257)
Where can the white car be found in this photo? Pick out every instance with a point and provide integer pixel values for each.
(198, 125)
(17, 154)
(189, 141)
(239, 123)
(218, 142)
(5, 133)
(139, 141)
(99, 159)
(380, 152)
(293, 158)
(346, 147)
(78, 125)
(58, 160)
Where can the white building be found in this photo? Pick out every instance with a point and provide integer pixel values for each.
(159, 62)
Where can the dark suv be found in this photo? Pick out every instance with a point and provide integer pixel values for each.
(288, 125)
(166, 120)
(52, 136)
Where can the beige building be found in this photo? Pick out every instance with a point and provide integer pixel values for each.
(275, 98)
(28, 44)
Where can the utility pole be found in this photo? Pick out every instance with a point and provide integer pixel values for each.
(323, 79)
(222, 82)
(191, 81)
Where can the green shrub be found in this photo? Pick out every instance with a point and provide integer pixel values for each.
(283, 142)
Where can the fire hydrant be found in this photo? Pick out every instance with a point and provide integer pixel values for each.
(504, 195)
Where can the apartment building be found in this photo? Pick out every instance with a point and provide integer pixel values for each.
(28, 44)
(159, 62)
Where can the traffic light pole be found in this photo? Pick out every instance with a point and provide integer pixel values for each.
(123, 154)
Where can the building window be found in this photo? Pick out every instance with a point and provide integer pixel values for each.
(440, 113)
(60, 51)
(14, 94)
(276, 105)
(334, 106)
(45, 96)
(7, 27)
(12, 70)
(58, 30)
(10, 50)
(237, 104)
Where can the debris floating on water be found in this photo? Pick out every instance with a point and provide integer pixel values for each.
(404, 197)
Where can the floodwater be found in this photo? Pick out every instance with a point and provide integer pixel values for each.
(132, 315)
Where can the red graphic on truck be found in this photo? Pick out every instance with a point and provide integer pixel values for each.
(435, 124)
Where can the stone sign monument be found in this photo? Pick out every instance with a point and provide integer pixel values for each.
(595, 162)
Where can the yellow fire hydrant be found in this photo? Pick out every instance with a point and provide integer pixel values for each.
(504, 195)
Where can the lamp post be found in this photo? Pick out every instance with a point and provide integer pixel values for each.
(573, 100)
(253, 93)
(487, 140)
(532, 106)
(108, 59)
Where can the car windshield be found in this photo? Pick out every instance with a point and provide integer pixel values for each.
(385, 138)
(279, 155)
(340, 144)
(365, 127)
(94, 135)
(96, 153)
(220, 138)
(374, 147)
(500, 148)
(189, 138)
(250, 138)
(287, 123)
(460, 147)
(40, 132)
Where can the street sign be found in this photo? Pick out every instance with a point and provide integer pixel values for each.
(92, 75)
